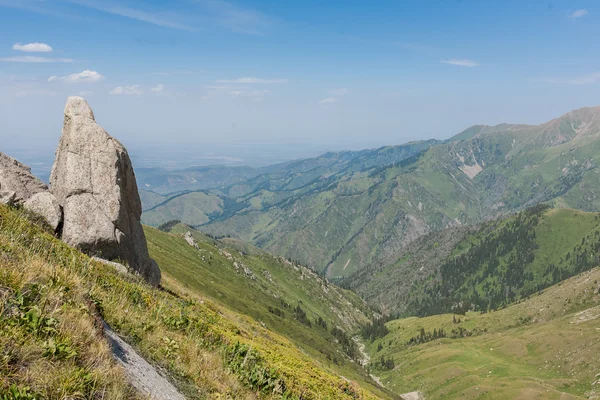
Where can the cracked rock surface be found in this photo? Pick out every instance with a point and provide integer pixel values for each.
(17, 182)
(93, 180)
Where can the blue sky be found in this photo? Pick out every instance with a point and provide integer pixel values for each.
(296, 75)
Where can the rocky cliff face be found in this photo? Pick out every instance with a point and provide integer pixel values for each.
(93, 180)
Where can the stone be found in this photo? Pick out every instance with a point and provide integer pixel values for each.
(8, 198)
(16, 177)
(94, 182)
(190, 240)
(45, 205)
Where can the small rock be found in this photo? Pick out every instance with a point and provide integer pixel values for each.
(16, 177)
(190, 240)
(45, 205)
(8, 198)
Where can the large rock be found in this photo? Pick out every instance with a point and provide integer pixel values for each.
(16, 177)
(93, 180)
(45, 205)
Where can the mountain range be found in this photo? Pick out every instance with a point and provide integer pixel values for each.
(342, 212)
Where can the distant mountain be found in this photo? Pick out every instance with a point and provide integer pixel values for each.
(358, 216)
(163, 181)
(342, 212)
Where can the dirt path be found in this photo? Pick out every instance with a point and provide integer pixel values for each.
(141, 374)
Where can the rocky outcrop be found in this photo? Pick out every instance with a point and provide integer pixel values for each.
(93, 180)
(190, 240)
(17, 184)
(45, 205)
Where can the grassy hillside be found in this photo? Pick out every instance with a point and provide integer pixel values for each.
(284, 297)
(546, 347)
(484, 267)
(194, 208)
(51, 297)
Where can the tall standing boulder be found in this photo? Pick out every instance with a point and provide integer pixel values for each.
(93, 180)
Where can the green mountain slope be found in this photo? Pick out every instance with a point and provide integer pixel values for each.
(284, 297)
(51, 299)
(195, 208)
(545, 347)
(484, 267)
(347, 221)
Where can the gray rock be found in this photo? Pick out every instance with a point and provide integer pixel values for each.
(190, 240)
(93, 180)
(119, 267)
(16, 177)
(45, 205)
(8, 198)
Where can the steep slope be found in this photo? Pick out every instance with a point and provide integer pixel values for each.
(346, 221)
(285, 297)
(51, 300)
(544, 347)
(483, 267)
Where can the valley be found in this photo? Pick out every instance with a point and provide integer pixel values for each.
(367, 206)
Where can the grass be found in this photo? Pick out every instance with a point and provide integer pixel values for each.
(269, 295)
(544, 347)
(52, 296)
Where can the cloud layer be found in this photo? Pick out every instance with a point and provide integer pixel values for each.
(35, 59)
(578, 13)
(33, 47)
(133, 90)
(86, 76)
(460, 62)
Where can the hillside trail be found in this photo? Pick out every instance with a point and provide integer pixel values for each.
(140, 373)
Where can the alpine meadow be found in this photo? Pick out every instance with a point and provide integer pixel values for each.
(354, 200)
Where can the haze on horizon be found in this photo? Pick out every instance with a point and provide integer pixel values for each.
(211, 77)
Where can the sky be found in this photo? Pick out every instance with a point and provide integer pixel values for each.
(271, 80)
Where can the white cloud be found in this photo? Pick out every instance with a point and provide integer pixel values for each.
(578, 13)
(36, 59)
(158, 88)
(461, 62)
(254, 80)
(86, 76)
(128, 90)
(328, 100)
(33, 47)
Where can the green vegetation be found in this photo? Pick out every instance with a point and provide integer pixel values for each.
(343, 212)
(544, 347)
(285, 297)
(51, 299)
(486, 267)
